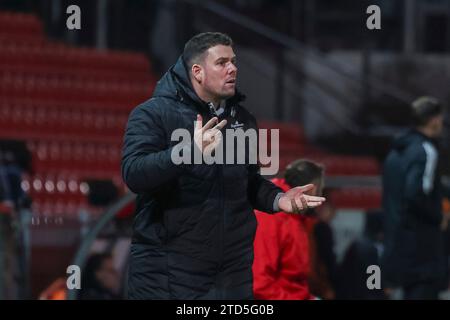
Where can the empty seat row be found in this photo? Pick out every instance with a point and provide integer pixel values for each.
(356, 198)
(72, 91)
(76, 74)
(54, 120)
(26, 39)
(24, 102)
(71, 106)
(19, 24)
(289, 133)
(336, 165)
(348, 165)
(47, 212)
(57, 54)
(75, 156)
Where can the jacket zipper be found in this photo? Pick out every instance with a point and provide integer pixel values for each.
(219, 278)
(223, 222)
(221, 238)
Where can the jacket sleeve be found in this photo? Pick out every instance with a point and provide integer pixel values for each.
(146, 157)
(281, 262)
(261, 192)
(419, 184)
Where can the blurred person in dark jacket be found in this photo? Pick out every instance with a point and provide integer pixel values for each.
(99, 279)
(323, 275)
(414, 258)
(362, 253)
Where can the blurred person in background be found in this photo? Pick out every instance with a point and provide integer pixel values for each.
(446, 212)
(282, 259)
(362, 253)
(414, 257)
(99, 279)
(323, 275)
(14, 161)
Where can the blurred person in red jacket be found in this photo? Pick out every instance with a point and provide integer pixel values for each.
(281, 248)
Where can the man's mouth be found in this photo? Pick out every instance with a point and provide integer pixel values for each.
(231, 81)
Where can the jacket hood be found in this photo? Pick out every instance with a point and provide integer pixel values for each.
(176, 84)
(410, 137)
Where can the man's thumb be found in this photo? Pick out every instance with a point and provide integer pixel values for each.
(305, 188)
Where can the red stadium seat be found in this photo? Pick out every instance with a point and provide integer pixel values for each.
(356, 198)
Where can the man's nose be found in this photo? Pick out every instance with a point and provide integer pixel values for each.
(232, 68)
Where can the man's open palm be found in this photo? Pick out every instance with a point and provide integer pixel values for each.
(296, 201)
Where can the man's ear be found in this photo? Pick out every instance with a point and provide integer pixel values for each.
(197, 72)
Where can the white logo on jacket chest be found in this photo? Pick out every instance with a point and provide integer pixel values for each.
(236, 125)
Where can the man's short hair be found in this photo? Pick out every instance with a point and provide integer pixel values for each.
(200, 43)
(425, 108)
(301, 172)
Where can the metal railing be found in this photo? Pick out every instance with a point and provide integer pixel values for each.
(85, 246)
(293, 44)
(338, 71)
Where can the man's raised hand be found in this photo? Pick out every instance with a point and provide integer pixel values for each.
(296, 201)
(208, 137)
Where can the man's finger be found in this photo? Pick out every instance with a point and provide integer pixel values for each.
(220, 125)
(210, 124)
(299, 203)
(294, 206)
(304, 203)
(314, 204)
(217, 128)
(217, 136)
(198, 122)
(217, 139)
(314, 198)
(305, 188)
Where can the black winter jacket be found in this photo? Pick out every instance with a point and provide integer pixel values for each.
(194, 224)
(412, 201)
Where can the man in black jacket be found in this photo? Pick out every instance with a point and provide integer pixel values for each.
(412, 198)
(194, 223)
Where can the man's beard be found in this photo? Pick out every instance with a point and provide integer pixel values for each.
(224, 96)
